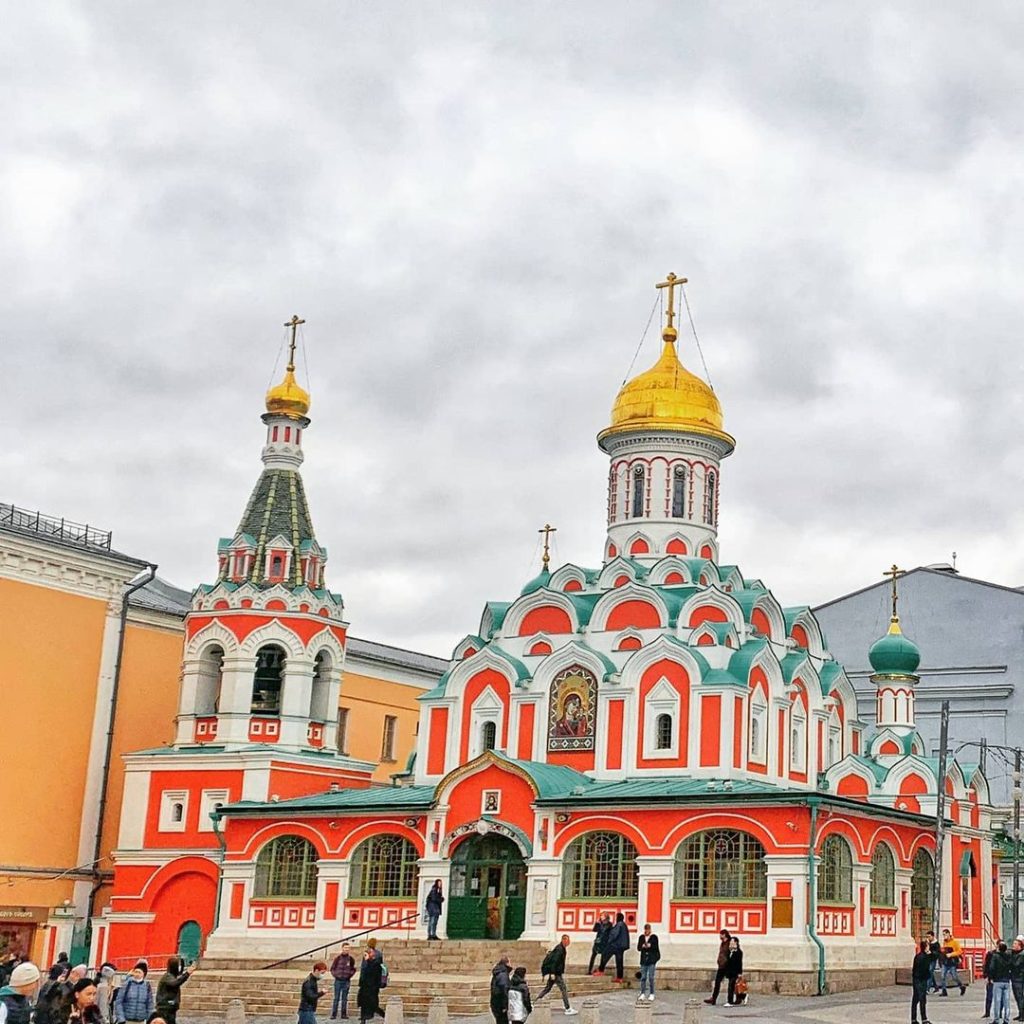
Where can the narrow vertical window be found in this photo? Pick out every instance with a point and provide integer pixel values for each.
(287, 433)
(638, 492)
(679, 492)
(489, 736)
(387, 747)
(273, 434)
(342, 730)
(709, 500)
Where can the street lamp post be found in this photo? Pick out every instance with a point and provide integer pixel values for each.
(1016, 841)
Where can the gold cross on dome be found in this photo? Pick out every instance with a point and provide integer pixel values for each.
(671, 283)
(547, 530)
(294, 325)
(894, 573)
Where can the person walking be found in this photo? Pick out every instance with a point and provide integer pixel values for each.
(435, 901)
(921, 971)
(134, 1002)
(16, 995)
(999, 974)
(371, 978)
(311, 992)
(650, 954)
(343, 968)
(601, 929)
(724, 939)
(1017, 974)
(500, 983)
(617, 944)
(952, 952)
(734, 971)
(519, 1004)
(168, 989)
(553, 968)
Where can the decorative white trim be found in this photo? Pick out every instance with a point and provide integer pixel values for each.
(173, 810)
(663, 699)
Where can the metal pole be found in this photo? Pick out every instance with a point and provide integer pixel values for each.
(940, 817)
(1016, 841)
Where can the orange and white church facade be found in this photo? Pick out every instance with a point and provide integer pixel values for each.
(654, 736)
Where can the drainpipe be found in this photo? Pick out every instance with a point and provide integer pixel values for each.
(140, 580)
(812, 889)
(222, 843)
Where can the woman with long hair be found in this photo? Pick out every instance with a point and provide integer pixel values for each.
(83, 1003)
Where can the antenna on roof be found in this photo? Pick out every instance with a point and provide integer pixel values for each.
(954, 561)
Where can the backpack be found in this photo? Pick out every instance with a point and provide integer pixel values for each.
(383, 975)
(548, 964)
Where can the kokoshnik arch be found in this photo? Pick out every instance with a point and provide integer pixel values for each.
(655, 736)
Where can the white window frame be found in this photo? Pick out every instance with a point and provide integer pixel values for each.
(486, 708)
(168, 799)
(758, 753)
(209, 801)
(798, 750)
(663, 699)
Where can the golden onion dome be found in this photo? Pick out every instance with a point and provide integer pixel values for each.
(667, 397)
(287, 398)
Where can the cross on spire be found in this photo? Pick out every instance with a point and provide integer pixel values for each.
(294, 325)
(671, 283)
(894, 574)
(547, 530)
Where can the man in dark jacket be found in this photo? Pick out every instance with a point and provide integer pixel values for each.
(16, 995)
(618, 943)
(1017, 975)
(168, 991)
(988, 981)
(601, 931)
(723, 959)
(499, 990)
(921, 973)
(553, 969)
(342, 970)
(311, 993)
(650, 953)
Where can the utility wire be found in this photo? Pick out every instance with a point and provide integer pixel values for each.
(693, 328)
(647, 327)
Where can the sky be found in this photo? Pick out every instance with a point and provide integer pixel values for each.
(470, 205)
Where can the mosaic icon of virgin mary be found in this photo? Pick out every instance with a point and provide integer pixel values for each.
(571, 710)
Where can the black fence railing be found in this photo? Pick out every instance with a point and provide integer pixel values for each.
(50, 526)
(340, 942)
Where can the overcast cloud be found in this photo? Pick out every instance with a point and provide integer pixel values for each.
(470, 204)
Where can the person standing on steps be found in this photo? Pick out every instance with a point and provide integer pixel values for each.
(168, 991)
(311, 992)
(342, 970)
(650, 954)
(597, 951)
(435, 901)
(553, 968)
(519, 1005)
(618, 943)
(500, 982)
(371, 978)
(723, 959)
(134, 1002)
(920, 975)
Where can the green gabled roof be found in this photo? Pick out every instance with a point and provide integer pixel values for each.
(439, 688)
(549, 779)
(674, 602)
(539, 582)
(790, 663)
(682, 592)
(699, 565)
(720, 677)
(740, 662)
(879, 771)
(829, 673)
(521, 671)
(610, 668)
(472, 638)
(720, 629)
(905, 743)
(498, 610)
(725, 571)
(591, 575)
(792, 614)
(373, 798)
(659, 789)
(583, 603)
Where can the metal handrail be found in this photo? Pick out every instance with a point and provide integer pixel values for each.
(51, 526)
(338, 942)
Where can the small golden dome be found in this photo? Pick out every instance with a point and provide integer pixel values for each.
(287, 398)
(667, 396)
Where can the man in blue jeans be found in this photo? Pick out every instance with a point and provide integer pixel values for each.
(342, 970)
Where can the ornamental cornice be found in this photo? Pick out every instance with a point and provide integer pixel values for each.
(644, 440)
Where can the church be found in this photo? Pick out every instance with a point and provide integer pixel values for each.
(654, 736)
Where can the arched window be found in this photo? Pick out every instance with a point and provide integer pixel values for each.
(276, 566)
(211, 673)
(758, 728)
(709, 500)
(320, 694)
(883, 877)
(798, 737)
(720, 864)
(488, 736)
(266, 683)
(663, 732)
(638, 492)
(385, 867)
(177, 812)
(835, 871)
(600, 866)
(679, 492)
(286, 869)
(922, 882)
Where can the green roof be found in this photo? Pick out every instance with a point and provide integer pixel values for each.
(720, 677)
(894, 653)
(660, 788)
(740, 662)
(539, 582)
(549, 778)
(829, 674)
(373, 798)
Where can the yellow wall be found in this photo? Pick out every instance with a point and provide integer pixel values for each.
(368, 701)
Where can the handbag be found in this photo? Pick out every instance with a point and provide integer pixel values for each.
(741, 986)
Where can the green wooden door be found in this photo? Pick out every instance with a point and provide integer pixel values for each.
(487, 895)
(515, 917)
(190, 940)
(467, 917)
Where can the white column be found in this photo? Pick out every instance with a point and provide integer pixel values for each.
(654, 869)
(187, 703)
(904, 877)
(432, 869)
(235, 700)
(295, 698)
(861, 898)
(543, 883)
(327, 871)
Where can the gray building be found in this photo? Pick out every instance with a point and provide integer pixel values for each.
(971, 636)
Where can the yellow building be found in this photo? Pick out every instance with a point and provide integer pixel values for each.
(93, 650)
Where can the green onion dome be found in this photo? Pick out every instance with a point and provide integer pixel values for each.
(894, 654)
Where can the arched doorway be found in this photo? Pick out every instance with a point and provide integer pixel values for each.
(922, 884)
(190, 941)
(487, 895)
